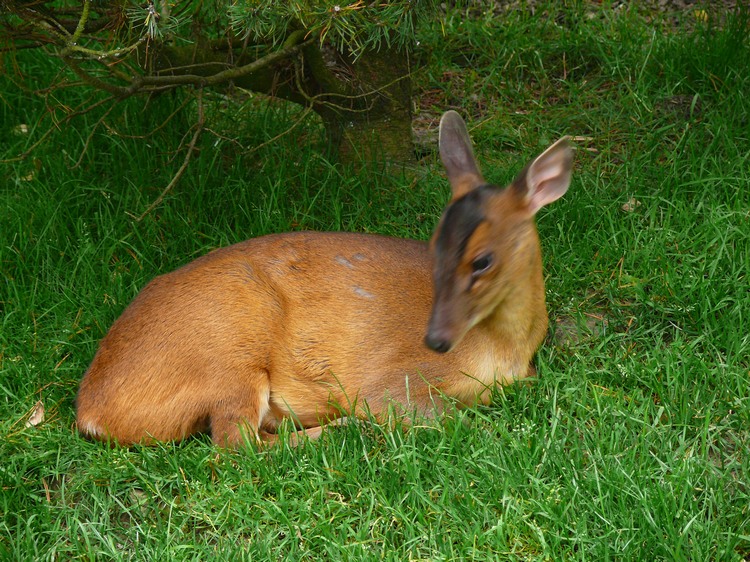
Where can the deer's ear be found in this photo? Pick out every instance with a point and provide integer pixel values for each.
(547, 177)
(458, 156)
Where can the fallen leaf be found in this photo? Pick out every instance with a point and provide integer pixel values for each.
(701, 15)
(37, 415)
(631, 205)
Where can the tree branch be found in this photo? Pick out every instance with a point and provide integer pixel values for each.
(220, 77)
(141, 83)
(81, 23)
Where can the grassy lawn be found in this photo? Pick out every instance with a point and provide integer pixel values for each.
(633, 444)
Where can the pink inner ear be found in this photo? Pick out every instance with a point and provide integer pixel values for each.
(548, 179)
(548, 192)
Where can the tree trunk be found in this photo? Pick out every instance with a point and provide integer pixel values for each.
(365, 104)
(375, 123)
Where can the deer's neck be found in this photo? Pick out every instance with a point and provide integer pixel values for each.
(519, 323)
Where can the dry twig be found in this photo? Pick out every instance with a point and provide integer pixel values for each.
(188, 156)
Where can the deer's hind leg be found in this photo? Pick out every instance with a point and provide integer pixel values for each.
(237, 409)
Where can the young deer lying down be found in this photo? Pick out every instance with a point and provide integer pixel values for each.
(319, 326)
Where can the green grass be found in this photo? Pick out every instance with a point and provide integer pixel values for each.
(632, 444)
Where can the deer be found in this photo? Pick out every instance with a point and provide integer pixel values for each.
(320, 327)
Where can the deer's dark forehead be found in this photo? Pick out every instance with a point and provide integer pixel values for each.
(461, 219)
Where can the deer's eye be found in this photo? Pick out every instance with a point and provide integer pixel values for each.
(481, 264)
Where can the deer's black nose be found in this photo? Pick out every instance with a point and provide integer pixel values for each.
(436, 343)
